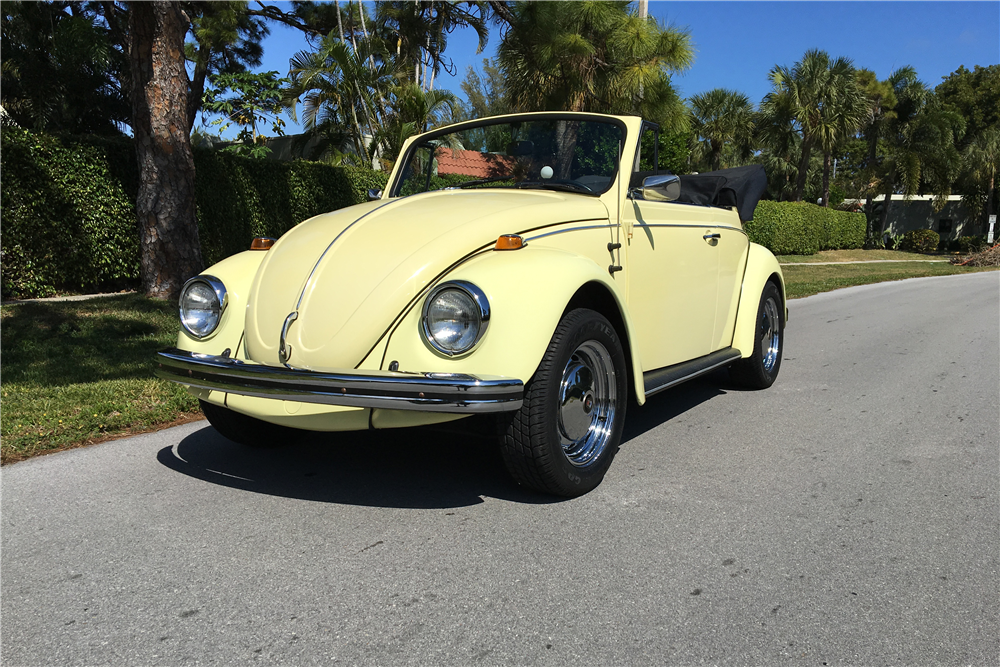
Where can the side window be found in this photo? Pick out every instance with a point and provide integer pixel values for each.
(646, 157)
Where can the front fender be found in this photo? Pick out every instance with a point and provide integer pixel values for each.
(528, 291)
(236, 273)
(762, 266)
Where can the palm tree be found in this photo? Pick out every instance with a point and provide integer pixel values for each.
(339, 85)
(417, 32)
(412, 111)
(881, 102)
(919, 143)
(805, 90)
(593, 56)
(720, 117)
(775, 134)
(841, 117)
(982, 159)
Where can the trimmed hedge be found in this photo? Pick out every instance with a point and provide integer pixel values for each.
(799, 228)
(68, 207)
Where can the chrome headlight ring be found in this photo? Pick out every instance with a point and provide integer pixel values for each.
(201, 322)
(455, 337)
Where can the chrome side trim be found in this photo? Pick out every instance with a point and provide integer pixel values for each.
(664, 378)
(565, 231)
(427, 392)
(705, 226)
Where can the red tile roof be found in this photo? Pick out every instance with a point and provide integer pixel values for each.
(470, 163)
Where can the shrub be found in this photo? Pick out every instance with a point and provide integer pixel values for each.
(967, 245)
(843, 230)
(69, 208)
(798, 228)
(920, 240)
(67, 220)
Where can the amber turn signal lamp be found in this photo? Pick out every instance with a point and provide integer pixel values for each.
(261, 243)
(509, 242)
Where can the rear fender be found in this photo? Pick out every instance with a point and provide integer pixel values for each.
(762, 267)
(528, 291)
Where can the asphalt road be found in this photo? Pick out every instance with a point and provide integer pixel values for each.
(848, 515)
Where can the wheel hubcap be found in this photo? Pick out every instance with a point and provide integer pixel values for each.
(587, 396)
(770, 334)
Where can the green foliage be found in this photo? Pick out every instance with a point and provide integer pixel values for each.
(61, 72)
(69, 216)
(673, 152)
(67, 219)
(842, 230)
(790, 228)
(920, 240)
(594, 56)
(967, 244)
(248, 100)
(976, 95)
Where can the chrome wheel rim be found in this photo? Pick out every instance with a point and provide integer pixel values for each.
(587, 399)
(770, 334)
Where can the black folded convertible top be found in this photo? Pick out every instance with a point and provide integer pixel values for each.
(741, 187)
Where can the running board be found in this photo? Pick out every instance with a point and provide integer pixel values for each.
(664, 378)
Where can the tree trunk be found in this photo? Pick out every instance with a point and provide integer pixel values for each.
(800, 181)
(165, 205)
(826, 178)
(885, 206)
(870, 220)
(340, 22)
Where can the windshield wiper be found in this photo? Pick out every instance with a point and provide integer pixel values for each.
(480, 181)
(564, 186)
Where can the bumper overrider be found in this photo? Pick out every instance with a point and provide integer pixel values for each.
(425, 392)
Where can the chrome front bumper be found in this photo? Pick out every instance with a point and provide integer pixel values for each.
(426, 392)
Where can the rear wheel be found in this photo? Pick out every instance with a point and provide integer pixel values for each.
(566, 433)
(249, 431)
(759, 370)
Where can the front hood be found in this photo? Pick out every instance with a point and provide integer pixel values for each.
(349, 273)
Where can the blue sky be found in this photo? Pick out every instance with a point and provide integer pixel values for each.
(737, 43)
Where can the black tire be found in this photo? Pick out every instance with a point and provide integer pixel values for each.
(249, 431)
(759, 370)
(554, 443)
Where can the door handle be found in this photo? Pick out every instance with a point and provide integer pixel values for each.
(712, 236)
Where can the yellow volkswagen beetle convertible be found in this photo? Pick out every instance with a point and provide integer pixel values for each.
(534, 266)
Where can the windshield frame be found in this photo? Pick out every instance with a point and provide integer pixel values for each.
(414, 144)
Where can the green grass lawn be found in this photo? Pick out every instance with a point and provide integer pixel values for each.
(82, 371)
(804, 280)
(858, 256)
(78, 372)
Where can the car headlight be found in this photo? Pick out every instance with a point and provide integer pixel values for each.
(203, 300)
(455, 317)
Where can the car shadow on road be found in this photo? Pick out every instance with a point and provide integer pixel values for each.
(674, 402)
(450, 465)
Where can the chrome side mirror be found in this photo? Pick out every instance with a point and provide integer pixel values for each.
(374, 194)
(665, 187)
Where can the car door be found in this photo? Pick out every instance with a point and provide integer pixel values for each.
(672, 266)
(731, 249)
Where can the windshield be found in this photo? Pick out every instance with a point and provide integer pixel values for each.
(558, 154)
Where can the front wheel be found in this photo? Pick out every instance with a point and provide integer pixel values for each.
(759, 370)
(249, 431)
(566, 433)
